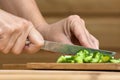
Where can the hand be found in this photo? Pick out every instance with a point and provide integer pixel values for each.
(14, 32)
(70, 30)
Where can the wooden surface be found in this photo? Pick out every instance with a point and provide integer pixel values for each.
(14, 67)
(57, 75)
(65, 66)
(85, 7)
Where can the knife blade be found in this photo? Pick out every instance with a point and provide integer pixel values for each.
(70, 49)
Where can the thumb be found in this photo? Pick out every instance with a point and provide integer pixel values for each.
(36, 41)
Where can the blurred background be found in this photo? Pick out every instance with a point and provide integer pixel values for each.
(102, 17)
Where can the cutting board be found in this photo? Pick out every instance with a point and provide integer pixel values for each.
(74, 66)
(65, 66)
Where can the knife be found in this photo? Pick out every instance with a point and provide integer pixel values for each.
(70, 49)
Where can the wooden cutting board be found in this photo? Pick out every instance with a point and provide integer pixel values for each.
(74, 66)
(65, 66)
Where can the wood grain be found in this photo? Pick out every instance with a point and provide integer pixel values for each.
(74, 66)
(57, 75)
(64, 66)
(85, 7)
(14, 67)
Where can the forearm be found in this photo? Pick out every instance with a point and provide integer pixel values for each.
(24, 8)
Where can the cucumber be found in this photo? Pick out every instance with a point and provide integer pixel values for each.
(85, 56)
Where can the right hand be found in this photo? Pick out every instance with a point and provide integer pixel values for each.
(14, 32)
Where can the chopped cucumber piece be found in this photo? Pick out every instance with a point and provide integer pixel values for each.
(115, 61)
(85, 56)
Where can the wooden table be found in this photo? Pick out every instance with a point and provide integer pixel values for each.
(49, 74)
(57, 75)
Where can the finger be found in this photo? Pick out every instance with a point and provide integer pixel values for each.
(11, 43)
(80, 34)
(20, 42)
(3, 42)
(19, 45)
(87, 34)
(95, 41)
(4, 38)
(36, 41)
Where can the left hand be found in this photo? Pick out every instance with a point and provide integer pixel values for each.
(70, 30)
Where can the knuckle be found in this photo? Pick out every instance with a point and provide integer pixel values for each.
(25, 25)
(97, 41)
(24, 21)
(10, 30)
(30, 25)
(14, 30)
(18, 29)
(82, 20)
(75, 19)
